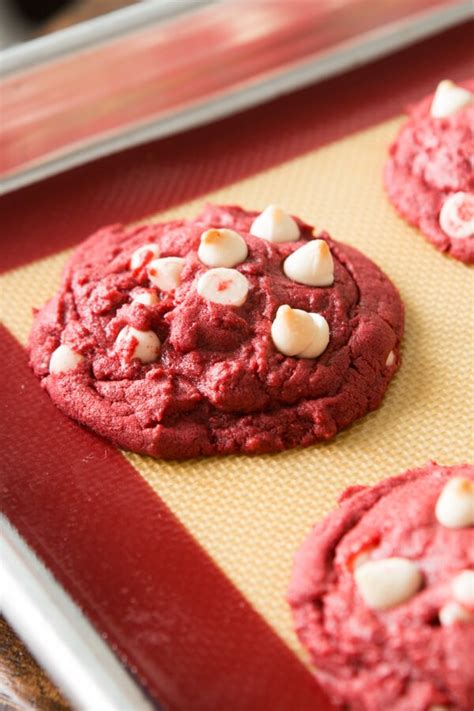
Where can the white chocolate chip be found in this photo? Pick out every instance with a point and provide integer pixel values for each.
(452, 612)
(299, 333)
(275, 225)
(143, 255)
(438, 708)
(291, 330)
(455, 505)
(148, 298)
(463, 588)
(448, 99)
(165, 273)
(320, 337)
(390, 359)
(64, 358)
(311, 264)
(222, 248)
(388, 582)
(147, 346)
(456, 217)
(223, 286)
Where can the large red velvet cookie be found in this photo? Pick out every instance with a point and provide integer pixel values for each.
(382, 593)
(200, 337)
(429, 176)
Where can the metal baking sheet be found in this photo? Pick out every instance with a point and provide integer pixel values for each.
(149, 71)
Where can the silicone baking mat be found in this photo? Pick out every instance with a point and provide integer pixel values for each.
(184, 566)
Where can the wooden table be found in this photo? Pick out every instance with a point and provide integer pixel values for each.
(23, 684)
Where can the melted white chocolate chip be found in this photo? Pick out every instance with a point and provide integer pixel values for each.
(222, 248)
(223, 286)
(148, 298)
(388, 582)
(147, 348)
(143, 255)
(275, 225)
(165, 273)
(448, 99)
(455, 505)
(390, 359)
(63, 359)
(463, 588)
(299, 333)
(311, 264)
(456, 217)
(453, 613)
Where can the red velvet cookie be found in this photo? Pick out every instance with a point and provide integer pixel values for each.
(429, 176)
(382, 593)
(233, 332)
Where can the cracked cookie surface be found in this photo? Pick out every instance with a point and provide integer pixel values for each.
(218, 384)
(376, 642)
(430, 160)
